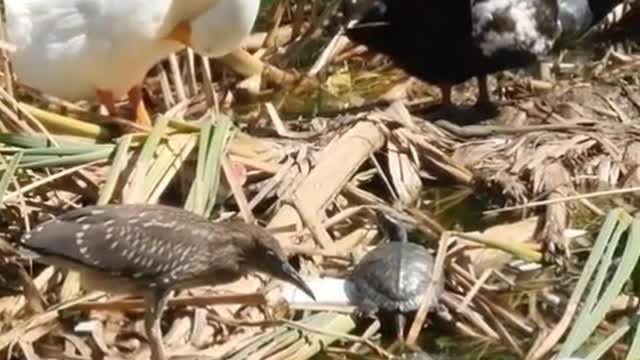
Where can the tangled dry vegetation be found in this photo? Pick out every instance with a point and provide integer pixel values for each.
(327, 132)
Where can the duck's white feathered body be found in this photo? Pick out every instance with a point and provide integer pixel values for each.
(73, 48)
(221, 29)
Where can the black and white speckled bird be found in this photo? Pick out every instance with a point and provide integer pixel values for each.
(449, 42)
(151, 250)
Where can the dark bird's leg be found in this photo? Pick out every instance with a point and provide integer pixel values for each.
(445, 89)
(155, 303)
(445, 109)
(484, 98)
(401, 321)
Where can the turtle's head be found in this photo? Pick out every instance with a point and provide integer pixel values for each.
(391, 228)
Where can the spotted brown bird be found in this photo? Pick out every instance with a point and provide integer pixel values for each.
(151, 250)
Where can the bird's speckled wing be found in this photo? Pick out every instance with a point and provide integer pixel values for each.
(515, 25)
(128, 240)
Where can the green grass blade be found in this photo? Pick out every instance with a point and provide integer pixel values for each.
(68, 124)
(601, 349)
(30, 159)
(202, 195)
(195, 199)
(8, 174)
(41, 141)
(588, 321)
(138, 181)
(572, 342)
(66, 151)
(634, 349)
(170, 159)
(214, 164)
(67, 161)
(603, 268)
(585, 322)
(617, 282)
(119, 163)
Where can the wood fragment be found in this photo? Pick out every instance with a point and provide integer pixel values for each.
(329, 176)
(132, 304)
(557, 184)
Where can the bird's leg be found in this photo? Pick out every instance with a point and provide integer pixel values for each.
(155, 303)
(445, 89)
(136, 101)
(483, 92)
(445, 109)
(400, 324)
(106, 99)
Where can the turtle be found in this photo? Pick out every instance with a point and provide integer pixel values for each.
(393, 277)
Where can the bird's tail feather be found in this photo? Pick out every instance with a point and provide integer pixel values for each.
(622, 23)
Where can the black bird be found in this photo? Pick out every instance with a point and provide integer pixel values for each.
(448, 42)
(152, 250)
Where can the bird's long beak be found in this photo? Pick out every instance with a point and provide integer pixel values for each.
(291, 275)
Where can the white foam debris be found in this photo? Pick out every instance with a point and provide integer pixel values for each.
(328, 291)
(86, 326)
(574, 233)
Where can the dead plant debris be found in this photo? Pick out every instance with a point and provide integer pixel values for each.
(314, 147)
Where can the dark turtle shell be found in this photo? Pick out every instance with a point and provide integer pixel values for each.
(393, 276)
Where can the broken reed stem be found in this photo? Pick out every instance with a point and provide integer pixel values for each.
(429, 299)
(349, 337)
(565, 199)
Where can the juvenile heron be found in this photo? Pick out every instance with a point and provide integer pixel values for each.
(151, 250)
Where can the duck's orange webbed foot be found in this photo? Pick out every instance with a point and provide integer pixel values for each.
(106, 99)
(141, 116)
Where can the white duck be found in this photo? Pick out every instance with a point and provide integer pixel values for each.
(102, 50)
